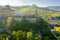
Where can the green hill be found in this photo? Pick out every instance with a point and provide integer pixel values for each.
(32, 10)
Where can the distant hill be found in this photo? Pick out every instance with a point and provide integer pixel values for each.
(32, 9)
(57, 8)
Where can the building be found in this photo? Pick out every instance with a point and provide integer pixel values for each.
(6, 11)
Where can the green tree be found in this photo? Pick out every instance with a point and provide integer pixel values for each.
(14, 33)
(46, 38)
(43, 27)
(20, 25)
(24, 24)
(30, 35)
(21, 35)
(38, 37)
(10, 21)
(58, 37)
(1, 37)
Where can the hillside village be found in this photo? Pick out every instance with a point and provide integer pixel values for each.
(29, 19)
(7, 11)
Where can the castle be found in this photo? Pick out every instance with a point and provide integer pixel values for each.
(6, 11)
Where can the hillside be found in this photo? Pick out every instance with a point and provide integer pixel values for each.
(33, 9)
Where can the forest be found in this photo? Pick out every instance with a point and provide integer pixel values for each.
(27, 30)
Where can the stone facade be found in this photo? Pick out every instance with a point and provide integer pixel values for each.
(7, 11)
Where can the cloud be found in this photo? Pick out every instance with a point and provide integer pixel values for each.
(30, 2)
(12, 2)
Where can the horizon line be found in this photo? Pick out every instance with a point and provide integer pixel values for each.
(29, 5)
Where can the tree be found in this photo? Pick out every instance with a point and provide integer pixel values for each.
(20, 25)
(38, 37)
(58, 37)
(1, 37)
(9, 21)
(46, 38)
(20, 35)
(14, 33)
(44, 28)
(7, 38)
(29, 35)
(24, 24)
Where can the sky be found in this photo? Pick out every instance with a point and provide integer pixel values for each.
(42, 3)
